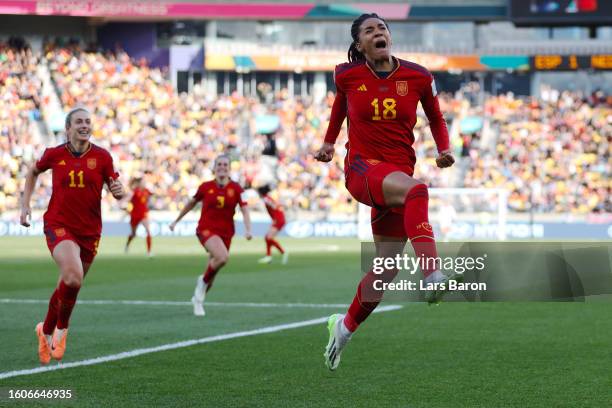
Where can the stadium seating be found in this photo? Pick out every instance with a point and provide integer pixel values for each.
(552, 151)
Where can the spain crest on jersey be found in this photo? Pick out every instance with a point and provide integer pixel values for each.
(401, 87)
(91, 164)
(230, 192)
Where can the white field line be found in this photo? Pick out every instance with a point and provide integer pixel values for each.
(178, 345)
(181, 303)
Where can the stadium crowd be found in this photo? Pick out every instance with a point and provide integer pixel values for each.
(20, 141)
(553, 152)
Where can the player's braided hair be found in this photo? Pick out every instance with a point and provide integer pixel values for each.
(353, 53)
(263, 190)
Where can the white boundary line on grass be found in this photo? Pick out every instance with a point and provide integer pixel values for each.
(180, 303)
(180, 344)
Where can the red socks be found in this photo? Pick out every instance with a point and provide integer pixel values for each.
(268, 247)
(271, 242)
(367, 298)
(420, 233)
(417, 226)
(209, 276)
(148, 243)
(67, 296)
(51, 319)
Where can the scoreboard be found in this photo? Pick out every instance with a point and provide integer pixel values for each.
(570, 62)
(560, 12)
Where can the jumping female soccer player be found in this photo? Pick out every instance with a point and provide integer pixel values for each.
(215, 229)
(73, 221)
(379, 94)
(278, 222)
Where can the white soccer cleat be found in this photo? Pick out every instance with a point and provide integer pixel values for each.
(337, 341)
(265, 260)
(285, 258)
(198, 307)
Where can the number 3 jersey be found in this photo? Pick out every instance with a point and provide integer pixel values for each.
(218, 206)
(77, 187)
(382, 112)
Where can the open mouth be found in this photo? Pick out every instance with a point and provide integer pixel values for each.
(379, 44)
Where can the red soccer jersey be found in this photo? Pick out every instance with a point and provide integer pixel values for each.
(274, 209)
(77, 187)
(218, 206)
(140, 202)
(382, 111)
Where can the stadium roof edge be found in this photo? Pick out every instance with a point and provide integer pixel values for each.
(185, 9)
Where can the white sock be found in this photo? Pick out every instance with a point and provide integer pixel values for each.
(59, 334)
(435, 277)
(344, 331)
(49, 339)
(200, 289)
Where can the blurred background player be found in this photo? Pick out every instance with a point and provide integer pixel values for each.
(446, 218)
(215, 228)
(139, 212)
(72, 222)
(379, 93)
(278, 222)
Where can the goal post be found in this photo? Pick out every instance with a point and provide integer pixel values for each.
(450, 208)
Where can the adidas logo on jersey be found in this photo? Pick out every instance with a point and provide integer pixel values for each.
(362, 88)
(62, 163)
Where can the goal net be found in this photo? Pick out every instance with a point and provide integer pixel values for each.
(458, 214)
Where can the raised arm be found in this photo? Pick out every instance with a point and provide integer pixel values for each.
(431, 106)
(337, 116)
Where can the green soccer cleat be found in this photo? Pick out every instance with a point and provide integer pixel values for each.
(337, 341)
(434, 297)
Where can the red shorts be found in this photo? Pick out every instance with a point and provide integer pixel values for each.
(136, 219)
(364, 179)
(88, 244)
(278, 223)
(205, 235)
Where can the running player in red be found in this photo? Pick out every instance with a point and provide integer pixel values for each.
(278, 222)
(215, 229)
(73, 221)
(379, 94)
(139, 212)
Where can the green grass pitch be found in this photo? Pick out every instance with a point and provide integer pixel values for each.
(454, 355)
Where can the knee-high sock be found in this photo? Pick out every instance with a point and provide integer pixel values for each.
(67, 299)
(276, 245)
(129, 240)
(417, 226)
(148, 243)
(268, 247)
(52, 311)
(209, 276)
(367, 298)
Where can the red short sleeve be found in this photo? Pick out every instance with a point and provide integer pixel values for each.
(46, 160)
(199, 195)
